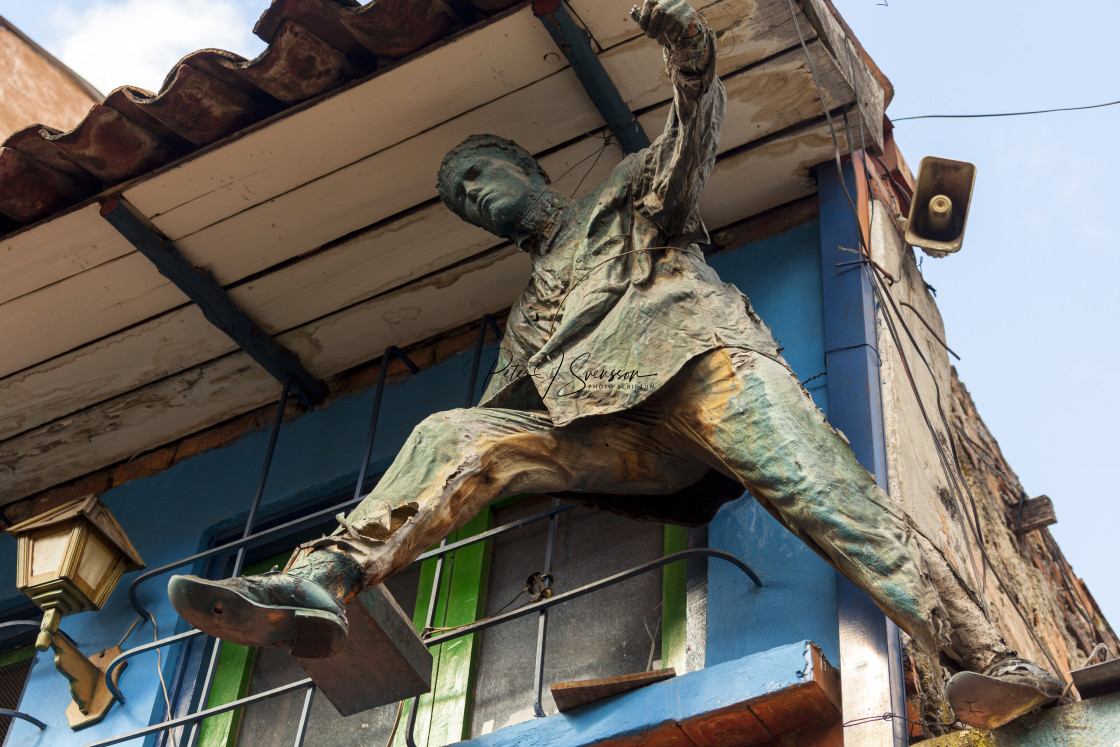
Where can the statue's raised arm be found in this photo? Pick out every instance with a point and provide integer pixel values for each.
(677, 164)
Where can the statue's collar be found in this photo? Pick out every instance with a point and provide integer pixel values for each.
(540, 221)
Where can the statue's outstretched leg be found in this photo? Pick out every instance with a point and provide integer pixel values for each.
(760, 426)
(452, 465)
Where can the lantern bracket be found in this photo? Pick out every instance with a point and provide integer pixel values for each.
(92, 696)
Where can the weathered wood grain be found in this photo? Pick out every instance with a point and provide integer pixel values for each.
(373, 262)
(65, 246)
(872, 97)
(167, 410)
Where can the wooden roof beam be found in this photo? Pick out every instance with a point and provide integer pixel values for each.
(216, 305)
(576, 46)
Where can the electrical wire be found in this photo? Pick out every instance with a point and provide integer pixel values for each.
(1007, 114)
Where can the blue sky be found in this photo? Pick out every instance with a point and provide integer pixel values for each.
(1029, 301)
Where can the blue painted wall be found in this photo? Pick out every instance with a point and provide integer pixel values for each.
(174, 514)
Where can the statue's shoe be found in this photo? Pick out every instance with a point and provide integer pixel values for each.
(1003, 692)
(273, 610)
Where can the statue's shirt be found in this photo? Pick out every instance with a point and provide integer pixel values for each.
(621, 298)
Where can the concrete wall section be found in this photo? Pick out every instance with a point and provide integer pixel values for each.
(37, 88)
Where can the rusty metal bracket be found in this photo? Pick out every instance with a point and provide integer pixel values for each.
(219, 309)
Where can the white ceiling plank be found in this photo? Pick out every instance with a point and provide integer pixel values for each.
(127, 360)
(469, 71)
(384, 184)
(200, 397)
(763, 177)
(56, 250)
(424, 309)
(87, 306)
(350, 272)
(139, 421)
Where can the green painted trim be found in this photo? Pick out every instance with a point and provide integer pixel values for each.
(16, 655)
(232, 676)
(674, 592)
(444, 715)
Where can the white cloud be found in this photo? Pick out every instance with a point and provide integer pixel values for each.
(137, 42)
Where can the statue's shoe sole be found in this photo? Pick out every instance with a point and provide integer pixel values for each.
(985, 702)
(227, 614)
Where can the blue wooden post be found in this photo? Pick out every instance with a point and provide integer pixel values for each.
(870, 661)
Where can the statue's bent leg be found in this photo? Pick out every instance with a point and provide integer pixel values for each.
(761, 426)
(452, 465)
(456, 462)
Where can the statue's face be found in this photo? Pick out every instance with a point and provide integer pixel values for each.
(493, 192)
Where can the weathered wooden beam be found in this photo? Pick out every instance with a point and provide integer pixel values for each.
(200, 286)
(1034, 513)
(576, 47)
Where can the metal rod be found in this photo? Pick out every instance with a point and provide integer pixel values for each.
(193, 718)
(21, 624)
(601, 584)
(516, 524)
(126, 655)
(305, 716)
(542, 621)
(24, 716)
(487, 320)
(192, 731)
(392, 350)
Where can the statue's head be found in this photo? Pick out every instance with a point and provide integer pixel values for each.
(491, 182)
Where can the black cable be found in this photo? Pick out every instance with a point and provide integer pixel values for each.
(1007, 114)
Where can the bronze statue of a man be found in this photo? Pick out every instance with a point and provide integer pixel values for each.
(631, 377)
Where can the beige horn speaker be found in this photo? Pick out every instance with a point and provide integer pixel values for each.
(939, 211)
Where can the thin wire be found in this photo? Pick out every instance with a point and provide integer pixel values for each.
(1008, 114)
(430, 631)
(159, 670)
(129, 631)
(606, 144)
(396, 723)
(1100, 647)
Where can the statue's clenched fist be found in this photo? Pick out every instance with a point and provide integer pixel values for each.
(671, 22)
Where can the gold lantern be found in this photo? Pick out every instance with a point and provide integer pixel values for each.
(70, 559)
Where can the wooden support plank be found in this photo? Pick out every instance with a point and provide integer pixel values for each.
(869, 85)
(1034, 513)
(215, 303)
(384, 661)
(571, 695)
